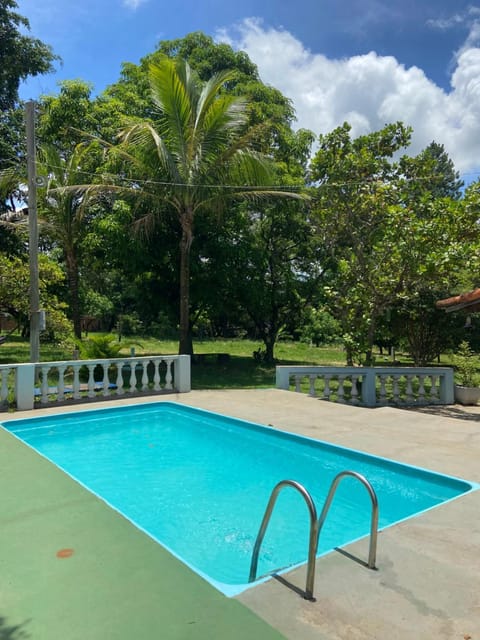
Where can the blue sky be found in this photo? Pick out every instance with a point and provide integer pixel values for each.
(365, 61)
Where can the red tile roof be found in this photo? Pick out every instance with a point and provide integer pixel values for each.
(470, 301)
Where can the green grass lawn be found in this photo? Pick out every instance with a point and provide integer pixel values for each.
(240, 370)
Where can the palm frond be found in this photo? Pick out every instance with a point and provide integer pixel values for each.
(145, 148)
(9, 180)
(175, 99)
(210, 94)
(219, 126)
(218, 200)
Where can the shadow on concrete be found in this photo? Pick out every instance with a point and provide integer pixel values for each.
(13, 632)
(350, 556)
(449, 411)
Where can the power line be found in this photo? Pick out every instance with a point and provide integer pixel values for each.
(275, 187)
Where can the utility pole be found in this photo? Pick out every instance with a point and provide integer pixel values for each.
(33, 232)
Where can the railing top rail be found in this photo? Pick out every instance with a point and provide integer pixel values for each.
(413, 370)
(315, 369)
(69, 363)
(360, 370)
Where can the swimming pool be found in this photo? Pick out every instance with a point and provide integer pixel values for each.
(198, 483)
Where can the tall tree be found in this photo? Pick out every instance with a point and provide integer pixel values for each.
(444, 180)
(273, 255)
(387, 236)
(21, 56)
(194, 159)
(431, 174)
(63, 209)
(272, 248)
(357, 228)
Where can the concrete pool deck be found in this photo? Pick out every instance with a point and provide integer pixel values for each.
(118, 583)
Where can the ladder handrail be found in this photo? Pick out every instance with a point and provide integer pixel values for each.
(313, 538)
(316, 525)
(372, 552)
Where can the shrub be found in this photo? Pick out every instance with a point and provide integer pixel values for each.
(100, 347)
(320, 327)
(466, 366)
(129, 324)
(59, 330)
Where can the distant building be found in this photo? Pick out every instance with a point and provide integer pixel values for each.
(469, 301)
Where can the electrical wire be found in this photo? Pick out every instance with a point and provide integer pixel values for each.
(274, 187)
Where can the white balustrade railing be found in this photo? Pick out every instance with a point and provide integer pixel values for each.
(371, 386)
(28, 385)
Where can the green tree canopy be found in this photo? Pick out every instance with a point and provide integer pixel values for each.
(66, 118)
(267, 109)
(386, 235)
(21, 55)
(444, 179)
(431, 174)
(14, 296)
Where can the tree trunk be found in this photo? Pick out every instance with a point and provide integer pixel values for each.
(370, 340)
(72, 274)
(349, 355)
(269, 342)
(185, 342)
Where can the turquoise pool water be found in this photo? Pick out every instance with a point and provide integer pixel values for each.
(199, 482)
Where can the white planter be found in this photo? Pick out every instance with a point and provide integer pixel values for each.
(467, 395)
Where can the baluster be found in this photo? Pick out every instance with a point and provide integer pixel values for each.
(383, 389)
(106, 381)
(168, 375)
(119, 381)
(326, 390)
(145, 375)
(156, 373)
(421, 388)
(396, 390)
(91, 380)
(354, 394)
(76, 381)
(44, 398)
(298, 383)
(409, 390)
(61, 383)
(341, 390)
(311, 391)
(133, 376)
(434, 389)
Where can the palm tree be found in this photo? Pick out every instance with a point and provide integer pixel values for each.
(196, 156)
(63, 208)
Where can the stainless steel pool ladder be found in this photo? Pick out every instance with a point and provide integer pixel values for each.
(316, 525)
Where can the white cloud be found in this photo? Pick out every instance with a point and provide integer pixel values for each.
(466, 18)
(469, 19)
(473, 38)
(369, 91)
(133, 4)
(446, 23)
